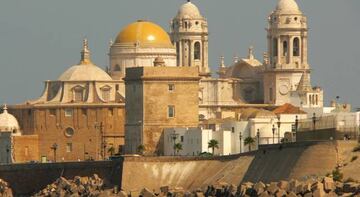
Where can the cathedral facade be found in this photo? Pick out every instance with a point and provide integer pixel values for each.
(83, 112)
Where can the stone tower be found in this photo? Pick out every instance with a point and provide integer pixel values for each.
(287, 36)
(189, 34)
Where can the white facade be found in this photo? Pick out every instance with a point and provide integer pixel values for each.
(193, 140)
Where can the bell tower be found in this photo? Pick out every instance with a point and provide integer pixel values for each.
(287, 37)
(189, 34)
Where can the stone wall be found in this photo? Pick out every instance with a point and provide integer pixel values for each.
(26, 179)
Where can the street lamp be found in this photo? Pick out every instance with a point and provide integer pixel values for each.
(54, 147)
(279, 125)
(296, 123)
(240, 137)
(273, 132)
(314, 120)
(174, 137)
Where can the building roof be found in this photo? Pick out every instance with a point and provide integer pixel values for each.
(7, 121)
(85, 70)
(189, 10)
(288, 7)
(287, 108)
(144, 34)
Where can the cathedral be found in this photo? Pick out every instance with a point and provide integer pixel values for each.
(84, 111)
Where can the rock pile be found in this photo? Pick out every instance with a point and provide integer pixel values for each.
(79, 186)
(325, 187)
(5, 191)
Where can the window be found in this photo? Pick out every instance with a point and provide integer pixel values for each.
(105, 93)
(197, 23)
(69, 147)
(296, 50)
(178, 53)
(117, 67)
(171, 111)
(285, 48)
(316, 99)
(52, 112)
(26, 151)
(117, 87)
(78, 92)
(197, 51)
(111, 111)
(186, 25)
(68, 112)
(232, 129)
(69, 132)
(171, 87)
(84, 112)
(182, 138)
(275, 47)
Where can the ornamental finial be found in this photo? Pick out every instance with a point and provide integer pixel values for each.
(85, 53)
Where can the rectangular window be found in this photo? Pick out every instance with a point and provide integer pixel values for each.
(182, 138)
(69, 147)
(26, 151)
(68, 112)
(171, 87)
(106, 95)
(52, 112)
(84, 112)
(232, 129)
(79, 95)
(111, 111)
(171, 111)
(117, 87)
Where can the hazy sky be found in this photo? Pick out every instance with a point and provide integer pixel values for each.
(40, 39)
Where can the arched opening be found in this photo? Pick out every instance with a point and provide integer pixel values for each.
(316, 100)
(275, 47)
(117, 67)
(285, 48)
(186, 25)
(197, 51)
(177, 53)
(296, 50)
(310, 100)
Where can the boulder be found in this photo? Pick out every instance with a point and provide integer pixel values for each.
(284, 185)
(147, 193)
(291, 194)
(272, 188)
(350, 187)
(259, 187)
(319, 193)
(280, 193)
(265, 194)
(329, 184)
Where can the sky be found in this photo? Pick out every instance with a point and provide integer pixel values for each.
(40, 39)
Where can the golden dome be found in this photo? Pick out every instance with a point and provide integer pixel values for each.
(144, 33)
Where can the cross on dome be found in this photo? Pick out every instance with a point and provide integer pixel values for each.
(5, 109)
(85, 53)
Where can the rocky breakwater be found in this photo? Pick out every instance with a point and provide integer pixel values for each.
(5, 191)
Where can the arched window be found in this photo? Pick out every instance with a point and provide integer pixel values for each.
(197, 50)
(296, 50)
(186, 25)
(310, 100)
(105, 93)
(177, 53)
(316, 100)
(285, 48)
(275, 47)
(117, 68)
(78, 94)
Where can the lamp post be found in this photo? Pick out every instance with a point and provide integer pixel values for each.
(240, 137)
(54, 147)
(279, 125)
(296, 123)
(314, 121)
(273, 132)
(258, 136)
(174, 137)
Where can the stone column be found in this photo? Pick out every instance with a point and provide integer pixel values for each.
(180, 63)
(290, 50)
